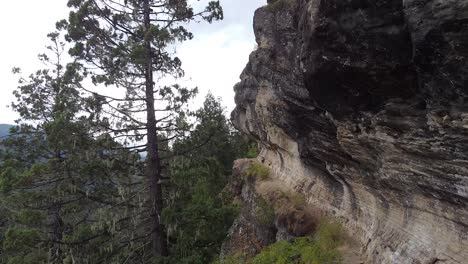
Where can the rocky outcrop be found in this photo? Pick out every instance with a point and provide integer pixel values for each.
(254, 227)
(269, 212)
(362, 106)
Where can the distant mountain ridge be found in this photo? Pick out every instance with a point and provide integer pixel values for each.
(5, 130)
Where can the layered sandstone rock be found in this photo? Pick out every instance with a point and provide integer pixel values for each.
(362, 106)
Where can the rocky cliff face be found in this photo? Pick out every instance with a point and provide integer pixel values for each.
(362, 106)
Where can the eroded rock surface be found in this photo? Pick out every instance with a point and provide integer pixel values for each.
(270, 211)
(362, 106)
(252, 230)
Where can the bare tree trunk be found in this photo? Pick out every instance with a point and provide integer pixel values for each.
(153, 159)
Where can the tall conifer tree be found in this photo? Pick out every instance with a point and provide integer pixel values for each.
(197, 216)
(128, 44)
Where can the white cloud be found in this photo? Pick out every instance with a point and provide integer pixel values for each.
(24, 26)
(212, 61)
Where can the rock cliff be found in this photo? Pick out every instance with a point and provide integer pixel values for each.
(362, 106)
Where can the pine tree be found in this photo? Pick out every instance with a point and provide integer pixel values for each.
(66, 189)
(127, 44)
(198, 216)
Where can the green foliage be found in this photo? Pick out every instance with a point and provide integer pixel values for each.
(330, 234)
(62, 189)
(264, 212)
(244, 146)
(281, 252)
(81, 233)
(91, 207)
(20, 239)
(231, 259)
(258, 170)
(298, 200)
(7, 179)
(252, 151)
(196, 215)
(197, 218)
(320, 249)
(29, 217)
(130, 45)
(36, 257)
(291, 199)
(72, 190)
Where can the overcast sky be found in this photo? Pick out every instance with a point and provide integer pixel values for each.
(213, 60)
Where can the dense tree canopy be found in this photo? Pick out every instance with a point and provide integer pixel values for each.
(196, 215)
(132, 177)
(65, 190)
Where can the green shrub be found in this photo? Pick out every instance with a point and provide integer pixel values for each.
(252, 151)
(231, 259)
(81, 232)
(281, 252)
(35, 257)
(265, 213)
(320, 249)
(289, 199)
(298, 200)
(330, 234)
(258, 170)
(29, 217)
(20, 239)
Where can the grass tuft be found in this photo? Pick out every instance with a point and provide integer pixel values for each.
(258, 170)
(264, 212)
(319, 249)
